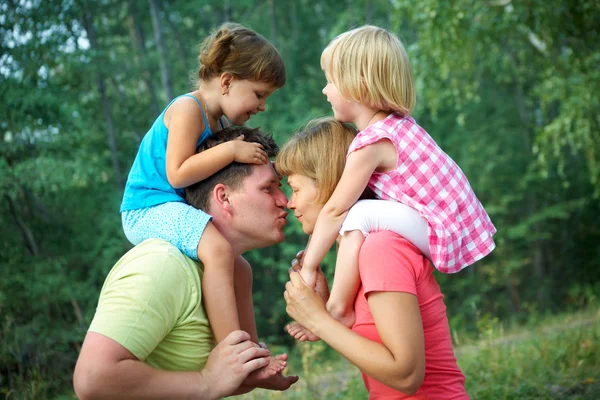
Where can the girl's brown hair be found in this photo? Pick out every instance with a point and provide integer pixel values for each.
(319, 152)
(241, 52)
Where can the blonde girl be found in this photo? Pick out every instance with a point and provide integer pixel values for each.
(370, 83)
(239, 70)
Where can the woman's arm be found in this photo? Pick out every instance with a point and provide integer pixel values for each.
(399, 362)
(360, 165)
(184, 166)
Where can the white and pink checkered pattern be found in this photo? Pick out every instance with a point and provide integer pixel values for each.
(427, 179)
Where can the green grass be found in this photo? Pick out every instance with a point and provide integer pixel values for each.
(559, 358)
(556, 357)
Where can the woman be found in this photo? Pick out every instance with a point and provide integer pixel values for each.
(400, 339)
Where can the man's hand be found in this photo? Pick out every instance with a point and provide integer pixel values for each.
(231, 362)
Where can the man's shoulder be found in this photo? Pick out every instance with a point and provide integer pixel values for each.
(157, 247)
(158, 253)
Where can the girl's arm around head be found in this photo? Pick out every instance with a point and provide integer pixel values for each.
(184, 166)
(399, 362)
(360, 165)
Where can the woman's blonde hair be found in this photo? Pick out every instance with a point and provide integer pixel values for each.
(319, 152)
(370, 66)
(241, 52)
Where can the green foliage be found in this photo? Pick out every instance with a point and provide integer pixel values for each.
(554, 358)
(508, 89)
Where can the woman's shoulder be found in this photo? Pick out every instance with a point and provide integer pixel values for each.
(391, 250)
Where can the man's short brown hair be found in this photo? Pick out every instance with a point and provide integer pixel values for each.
(198, 194)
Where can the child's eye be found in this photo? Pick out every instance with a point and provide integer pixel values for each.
(259, 96)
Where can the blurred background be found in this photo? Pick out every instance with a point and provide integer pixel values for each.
(509, 89)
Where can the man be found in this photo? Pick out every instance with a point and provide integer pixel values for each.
(150, 337)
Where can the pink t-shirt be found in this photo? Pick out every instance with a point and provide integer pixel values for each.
(390, 263)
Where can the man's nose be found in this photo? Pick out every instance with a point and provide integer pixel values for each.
(280, 199)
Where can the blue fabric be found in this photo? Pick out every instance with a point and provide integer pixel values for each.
(147, 184)
(179, 223)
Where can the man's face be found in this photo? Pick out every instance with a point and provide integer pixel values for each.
(259, 205)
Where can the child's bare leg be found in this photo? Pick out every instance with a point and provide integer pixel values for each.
(242, 282)
(346, 279)
(218, 293)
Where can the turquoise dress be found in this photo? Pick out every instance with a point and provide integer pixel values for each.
(151, 207)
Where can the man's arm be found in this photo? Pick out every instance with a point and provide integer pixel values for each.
(107, 370)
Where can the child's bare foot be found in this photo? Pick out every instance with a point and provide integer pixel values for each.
(300, 333)
(278, 382)
(276, 365)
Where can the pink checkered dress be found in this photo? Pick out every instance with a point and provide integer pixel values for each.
(428, 180)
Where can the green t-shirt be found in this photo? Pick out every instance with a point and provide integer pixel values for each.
(151, 304)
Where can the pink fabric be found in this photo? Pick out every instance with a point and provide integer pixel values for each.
(388, 262)
(427, 179)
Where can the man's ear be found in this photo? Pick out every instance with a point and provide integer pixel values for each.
(225, 82)
(221, 196)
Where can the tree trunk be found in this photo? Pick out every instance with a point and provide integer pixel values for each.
(28, 237)
(292, 66)
(137, 41)
(182, 47)
(88, 24)
(350, 12)
(162, 52)
(273, 16)
(368, 11)
(227, 11)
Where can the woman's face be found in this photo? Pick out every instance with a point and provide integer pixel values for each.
(302, 202)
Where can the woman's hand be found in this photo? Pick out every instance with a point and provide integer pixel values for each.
(304, 304)
(321, 286)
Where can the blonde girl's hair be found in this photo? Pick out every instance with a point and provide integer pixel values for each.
(241, 52)
(370, 66)
(319, 152)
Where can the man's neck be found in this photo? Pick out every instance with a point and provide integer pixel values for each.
(238, 242)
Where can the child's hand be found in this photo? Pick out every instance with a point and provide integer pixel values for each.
(248, 152)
